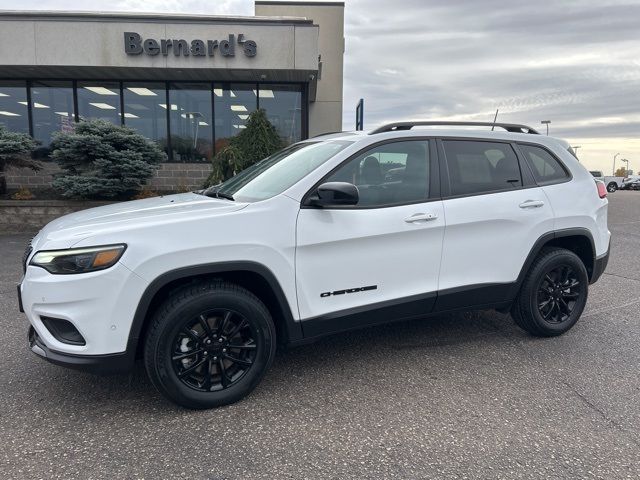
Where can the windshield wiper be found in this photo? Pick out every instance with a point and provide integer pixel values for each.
(228, 196)
(216, 193)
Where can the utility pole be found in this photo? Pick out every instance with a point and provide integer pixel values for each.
(614, 164)
(546, 122)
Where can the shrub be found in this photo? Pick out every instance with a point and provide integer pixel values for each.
(146, 192)
(259, 140)
(15, 151)
(102, 160)
(23, 194)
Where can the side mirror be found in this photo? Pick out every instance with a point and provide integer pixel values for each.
(334, 194)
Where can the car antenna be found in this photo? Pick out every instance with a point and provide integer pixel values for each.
(495, 118)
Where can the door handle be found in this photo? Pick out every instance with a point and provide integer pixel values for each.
(532, 204)
(421, 217)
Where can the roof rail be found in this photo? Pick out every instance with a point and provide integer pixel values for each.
(348, 132)
(509, 127)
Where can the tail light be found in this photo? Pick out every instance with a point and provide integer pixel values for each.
(602, 189)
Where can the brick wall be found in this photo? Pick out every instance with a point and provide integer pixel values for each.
(32, 215)
(170, 177)
(176, 177)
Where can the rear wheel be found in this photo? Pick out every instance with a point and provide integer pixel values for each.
(612, 187)
(553, 294)
(209, 345)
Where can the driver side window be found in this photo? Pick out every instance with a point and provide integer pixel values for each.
(389, 174)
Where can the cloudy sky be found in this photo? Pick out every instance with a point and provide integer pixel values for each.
(576, 63)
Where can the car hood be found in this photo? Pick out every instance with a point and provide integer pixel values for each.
(70, 229)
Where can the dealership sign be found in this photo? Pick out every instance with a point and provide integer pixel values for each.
(134, 44)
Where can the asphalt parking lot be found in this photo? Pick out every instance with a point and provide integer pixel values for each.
(457, 396)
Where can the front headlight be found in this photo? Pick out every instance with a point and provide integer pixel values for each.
(78, 260)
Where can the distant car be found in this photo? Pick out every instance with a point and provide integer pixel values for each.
(597, 174)
(632, 184)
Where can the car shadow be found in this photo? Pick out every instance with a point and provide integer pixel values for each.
(294, 369)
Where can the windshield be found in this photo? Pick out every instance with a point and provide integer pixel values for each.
(274, 174)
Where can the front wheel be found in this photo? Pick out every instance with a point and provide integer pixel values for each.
(553, 294)
(209, 345)
(612, 187)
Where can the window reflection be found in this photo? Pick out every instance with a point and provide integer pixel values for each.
(191, 129)
(283, 105)
(52, 110)
(145, 110)
(13, 106)
(99, 100)
(233, 103)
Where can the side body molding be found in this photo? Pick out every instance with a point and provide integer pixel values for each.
(468, 297)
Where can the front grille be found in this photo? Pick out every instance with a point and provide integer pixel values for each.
(25, 256)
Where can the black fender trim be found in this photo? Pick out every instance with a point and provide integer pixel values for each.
(541, 242)
(292, 328)
(600, 265)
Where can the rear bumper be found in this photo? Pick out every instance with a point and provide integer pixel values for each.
(599, 266)
(98, 364)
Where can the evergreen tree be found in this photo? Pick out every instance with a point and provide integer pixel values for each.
(102, 160)
(259, 140)
(15, 151)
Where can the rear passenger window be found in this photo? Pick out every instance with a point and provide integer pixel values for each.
(481, 167)
(545, 167)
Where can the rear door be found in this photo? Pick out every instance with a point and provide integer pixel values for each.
(494, 212)
(383, 252)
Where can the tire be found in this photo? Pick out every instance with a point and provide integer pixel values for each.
(612, 187)
(209, 345)
(551, 281)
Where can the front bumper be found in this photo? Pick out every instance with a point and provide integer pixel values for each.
(99, 305)
(98, 364)
(599, 266)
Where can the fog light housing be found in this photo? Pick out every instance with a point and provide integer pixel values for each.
(63, 330)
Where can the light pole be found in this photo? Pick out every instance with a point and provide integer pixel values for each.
(546, 122)
(575, 150)
(626, 172)
(614, 164)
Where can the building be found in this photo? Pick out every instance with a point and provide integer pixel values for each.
(188, 82)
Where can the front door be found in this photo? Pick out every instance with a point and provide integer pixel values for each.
(367, 263)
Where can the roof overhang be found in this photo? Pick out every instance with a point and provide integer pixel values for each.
(83, 45)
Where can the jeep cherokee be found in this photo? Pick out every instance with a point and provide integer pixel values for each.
(333, 233)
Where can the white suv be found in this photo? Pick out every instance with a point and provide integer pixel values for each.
(333, 233)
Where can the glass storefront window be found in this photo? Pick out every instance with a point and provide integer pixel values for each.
(99, 100)
(52, 110)
(14, 114)
(145, 110)
(190, 125)
(283, 105)
(232, 104)
(193, 123)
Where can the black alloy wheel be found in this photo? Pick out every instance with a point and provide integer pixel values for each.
(557, 295)
(214, 350)
(553, 293)
(209, 344)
